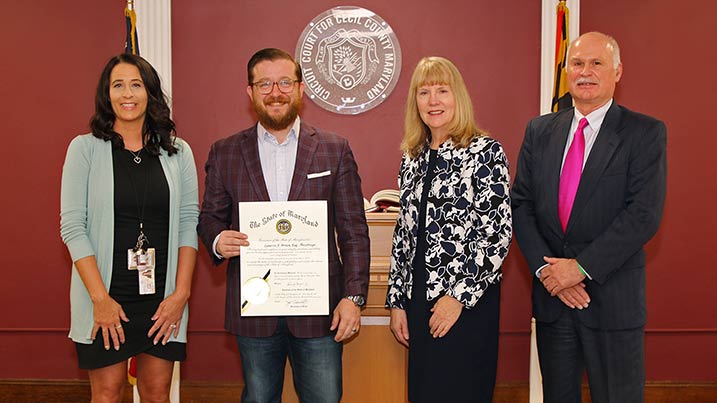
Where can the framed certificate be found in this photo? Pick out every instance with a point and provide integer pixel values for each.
(285, 268)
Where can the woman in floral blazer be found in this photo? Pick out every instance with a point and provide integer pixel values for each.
(452, 233)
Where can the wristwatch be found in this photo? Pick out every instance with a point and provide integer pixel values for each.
(358, 300)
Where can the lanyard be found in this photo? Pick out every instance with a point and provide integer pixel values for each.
(142, 240)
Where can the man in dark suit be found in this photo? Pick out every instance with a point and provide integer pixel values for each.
(588, 195)
(285, 159)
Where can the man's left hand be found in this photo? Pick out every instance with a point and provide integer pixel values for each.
(347, 319)
(560, 274)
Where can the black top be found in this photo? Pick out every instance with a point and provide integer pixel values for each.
(137, 185)
(420, 276)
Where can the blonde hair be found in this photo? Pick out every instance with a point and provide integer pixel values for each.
(436, 70)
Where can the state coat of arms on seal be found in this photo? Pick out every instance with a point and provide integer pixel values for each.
(350, 59)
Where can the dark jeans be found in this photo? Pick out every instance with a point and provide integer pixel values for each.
(316, 365)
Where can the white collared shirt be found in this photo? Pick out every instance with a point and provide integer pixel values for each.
(278, 160)
(591, 131)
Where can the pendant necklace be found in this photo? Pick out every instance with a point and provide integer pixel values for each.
(137, 158)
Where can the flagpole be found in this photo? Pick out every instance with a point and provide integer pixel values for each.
(131, 42)
(132, 46)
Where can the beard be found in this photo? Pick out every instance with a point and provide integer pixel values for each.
(277, 122)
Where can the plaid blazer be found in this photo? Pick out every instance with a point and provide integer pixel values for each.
(234, 174)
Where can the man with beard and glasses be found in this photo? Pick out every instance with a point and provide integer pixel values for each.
(282, 158)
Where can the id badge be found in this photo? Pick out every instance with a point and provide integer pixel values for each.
(146, 281)
(140, 259)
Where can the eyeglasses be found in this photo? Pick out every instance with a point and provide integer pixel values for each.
(265, 87)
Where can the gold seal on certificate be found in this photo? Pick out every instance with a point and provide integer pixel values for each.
(255, 291)
(285, 268)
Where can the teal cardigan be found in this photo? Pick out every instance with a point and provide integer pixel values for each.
(87, 219)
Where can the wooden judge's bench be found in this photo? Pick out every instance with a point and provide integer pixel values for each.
(374, 363)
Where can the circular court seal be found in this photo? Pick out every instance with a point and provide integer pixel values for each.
(350, 59)
(283, 226)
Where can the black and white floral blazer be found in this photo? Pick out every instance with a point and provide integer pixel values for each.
(468, 222)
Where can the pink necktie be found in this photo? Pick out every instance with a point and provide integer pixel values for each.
(570, 177)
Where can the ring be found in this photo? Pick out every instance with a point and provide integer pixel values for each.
(118, 326)
(354, 330)
(172, 326)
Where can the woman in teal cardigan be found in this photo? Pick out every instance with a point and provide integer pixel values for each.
(129, 208)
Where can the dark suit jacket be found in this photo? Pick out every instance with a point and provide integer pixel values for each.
(234, 174)
(617, 209)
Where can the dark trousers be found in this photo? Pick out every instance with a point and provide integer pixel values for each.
(614, 360)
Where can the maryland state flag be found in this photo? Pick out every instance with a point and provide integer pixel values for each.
(561, 96)
(132, 43)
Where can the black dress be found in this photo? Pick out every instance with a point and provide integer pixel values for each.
(459, 367)
(136, 185)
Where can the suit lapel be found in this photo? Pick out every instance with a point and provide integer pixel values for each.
(554, 155)
(308, 143)
(605, 145)
(250, 153)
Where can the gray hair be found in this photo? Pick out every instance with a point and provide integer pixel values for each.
(612, 43)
